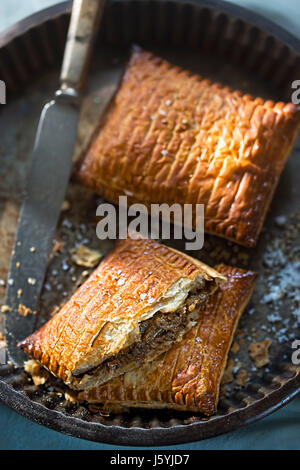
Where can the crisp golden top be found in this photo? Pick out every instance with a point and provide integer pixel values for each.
(188, 376)
(170, 136)
(138, 278)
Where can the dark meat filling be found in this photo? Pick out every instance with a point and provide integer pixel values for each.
(157, 332)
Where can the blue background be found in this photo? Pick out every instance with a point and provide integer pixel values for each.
(281, 430)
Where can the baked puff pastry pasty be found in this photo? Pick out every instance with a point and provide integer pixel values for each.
(186, 377)
(135, 305)
(169, 136)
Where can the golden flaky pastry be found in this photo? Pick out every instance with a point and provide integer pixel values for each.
(139, 301)
(169, 136)
(187, 377)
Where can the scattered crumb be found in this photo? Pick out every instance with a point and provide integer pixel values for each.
(71, 396)
(65, 206)
(58, 247)
(228, 374)
(20, 292)
(24, 311)
(32, 367)
(18, 264)
(5, 309)
(83, 256)
(31, 281)
(37, 373)
(259, 352)
(241, 378)
(235, 347)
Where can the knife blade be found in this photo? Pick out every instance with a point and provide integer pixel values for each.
(48, 180)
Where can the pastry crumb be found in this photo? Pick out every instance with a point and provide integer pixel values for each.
(57, 247)
(32, 367)
(235, 347)
(37, 373)
(71, 396)
(259, 352)
(83, 256)
(5, 309)
(65, 206)
(241, 378)
(25, 311)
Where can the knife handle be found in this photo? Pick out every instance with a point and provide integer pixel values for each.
(85, 18)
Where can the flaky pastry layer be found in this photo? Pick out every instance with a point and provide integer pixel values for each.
(170, 136)
(187, 377)
(136, 280)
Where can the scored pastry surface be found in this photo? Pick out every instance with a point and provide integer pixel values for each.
(137, 281)
(187, 376)
(170, 136)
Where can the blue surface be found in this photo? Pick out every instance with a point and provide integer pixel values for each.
(278, 431)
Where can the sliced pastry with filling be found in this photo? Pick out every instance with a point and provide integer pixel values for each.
(170, 136)
(139, 301)
(186, 377)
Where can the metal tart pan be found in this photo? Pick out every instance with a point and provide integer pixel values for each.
(226, 43)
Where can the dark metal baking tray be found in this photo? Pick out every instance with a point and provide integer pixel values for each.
(228, 44)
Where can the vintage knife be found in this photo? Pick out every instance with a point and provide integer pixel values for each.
(48, 179)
